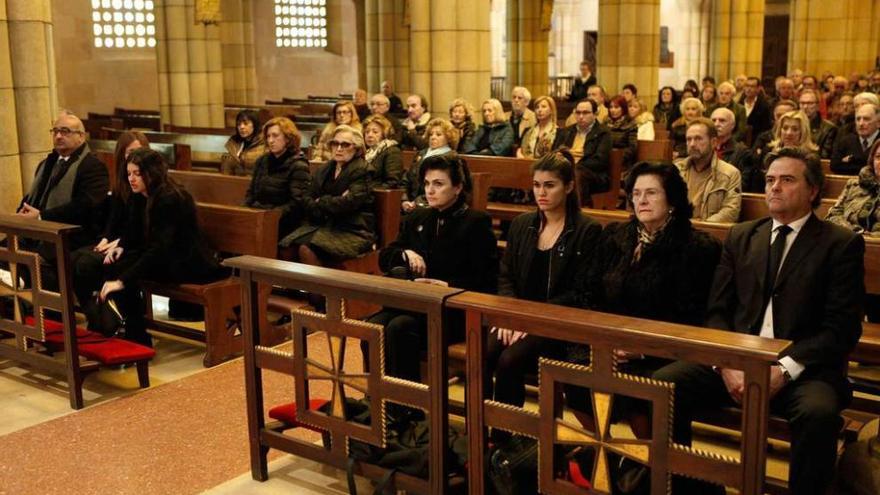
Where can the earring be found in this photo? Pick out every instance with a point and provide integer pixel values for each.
(671, 210)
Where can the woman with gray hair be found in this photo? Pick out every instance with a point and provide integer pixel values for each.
(339, 221)
(495, 136)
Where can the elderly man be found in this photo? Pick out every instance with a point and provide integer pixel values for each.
(784, 90)
(380, 105)
(521, 118)
(727, 147)
(790, 276)
(70, 185)
(851, 152)
(822, 131)
(396, 106)
(726, 92)
(740, 83)
(714, 186)
(759, 116)
(417, 118)
(590, 144)
(849, 128)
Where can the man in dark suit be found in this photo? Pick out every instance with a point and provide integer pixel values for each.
(851, 152)
(70, 185)
(590, 144)
(759, 116)
(790, 276)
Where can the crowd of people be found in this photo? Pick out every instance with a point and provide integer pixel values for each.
(791, 275)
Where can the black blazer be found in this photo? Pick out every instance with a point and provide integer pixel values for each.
(817, 299)
(849, 157)
(597, 150)
(761, 118)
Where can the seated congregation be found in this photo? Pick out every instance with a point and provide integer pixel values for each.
(790, 274)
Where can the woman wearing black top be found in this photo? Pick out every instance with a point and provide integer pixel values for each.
(160, 241)
(281, 176)
(548, 252)
(445, 244)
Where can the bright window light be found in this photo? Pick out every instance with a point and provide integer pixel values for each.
(124, 23)
(301, 23)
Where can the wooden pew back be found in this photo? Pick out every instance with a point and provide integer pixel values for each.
(178, 156)
(206, 149)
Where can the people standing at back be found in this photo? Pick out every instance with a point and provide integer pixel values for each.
(582, 83)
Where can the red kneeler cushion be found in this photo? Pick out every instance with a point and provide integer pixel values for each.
(286, 413)
(94, 346)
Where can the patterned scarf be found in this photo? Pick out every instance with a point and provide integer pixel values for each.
(647, 238)
(375, 151)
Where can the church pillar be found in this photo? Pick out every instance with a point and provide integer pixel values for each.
(28, 94)
(387, 44)
(237, 46)
(629, 45)
(449, 51)
(840, 36)
(528, 30)
(737, 38)
(190, 68)
(693, 61)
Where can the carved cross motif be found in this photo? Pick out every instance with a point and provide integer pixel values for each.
(336, 374)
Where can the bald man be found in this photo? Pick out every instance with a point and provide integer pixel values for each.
(70, 185)
(729, 149)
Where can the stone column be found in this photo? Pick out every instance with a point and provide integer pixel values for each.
(840, 36)
(693, 61)
(737, 38)
(28, 94)
(237, 46)
(527, 45)
(387, 45)
(190, 68)
(449, 51)
(629, 45)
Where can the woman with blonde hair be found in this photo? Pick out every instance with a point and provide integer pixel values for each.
(538, 140)
(343, 113)
(691, 109)
(643, 119)
(383, 152)
(495, 136)
(461, 114)
(792, 130)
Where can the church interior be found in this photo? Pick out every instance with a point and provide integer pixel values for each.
(293, 367)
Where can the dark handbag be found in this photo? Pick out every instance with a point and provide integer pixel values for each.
(401, 272)
(513, 466)
(110, 320)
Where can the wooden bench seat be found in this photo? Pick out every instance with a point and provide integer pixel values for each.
(229, 230)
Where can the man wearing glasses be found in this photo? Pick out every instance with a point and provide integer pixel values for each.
(70, 185)
(590, 145)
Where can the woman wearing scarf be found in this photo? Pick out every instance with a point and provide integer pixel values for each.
(655, 266)
(442, 138)
(383, 153)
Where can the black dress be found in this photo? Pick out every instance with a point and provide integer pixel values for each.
(458, 247)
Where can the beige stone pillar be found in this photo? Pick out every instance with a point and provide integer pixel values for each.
(527, 46)
(190, 67)
(449, 51)
(237, 46)
(693, 62)
(629, 45)
(387, 45)
(737, 38)
(840, 36)
(28, 96)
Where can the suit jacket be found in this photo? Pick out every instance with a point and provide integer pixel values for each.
(817, 298)
(849, 157)
(761, 118)
(597, 150)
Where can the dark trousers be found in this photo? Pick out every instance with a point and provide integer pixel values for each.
(89, 274)
(812, 408)
(509, 365)
(405, 341)
(590, 183)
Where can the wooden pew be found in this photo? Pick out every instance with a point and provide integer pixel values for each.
(229, 230)
(337, 286)
(265, 112)
(178, 156)
(206, 149)
(29, 336)
(754, 207)
(834, 185)
(658, 149)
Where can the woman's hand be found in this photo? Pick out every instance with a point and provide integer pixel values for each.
(110, 287)
(408, 206)
(624, 356)
(432, 281)
(416, 263)
(106, 245)
(112, 255)
(507, 336)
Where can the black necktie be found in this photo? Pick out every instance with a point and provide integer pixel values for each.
(864, 144)
(776, 251)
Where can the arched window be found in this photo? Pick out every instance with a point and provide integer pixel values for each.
(301, 23)
(123, 23)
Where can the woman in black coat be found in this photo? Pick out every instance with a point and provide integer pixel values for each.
(447, 244)
(160, 241)
(339, 219)
(281, 176)
(383, 152)
(655, 266)
(548, 252)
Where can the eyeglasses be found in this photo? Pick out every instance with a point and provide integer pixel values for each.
(64, 131)
(343, 111)
(343, 145)
(583, 112)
